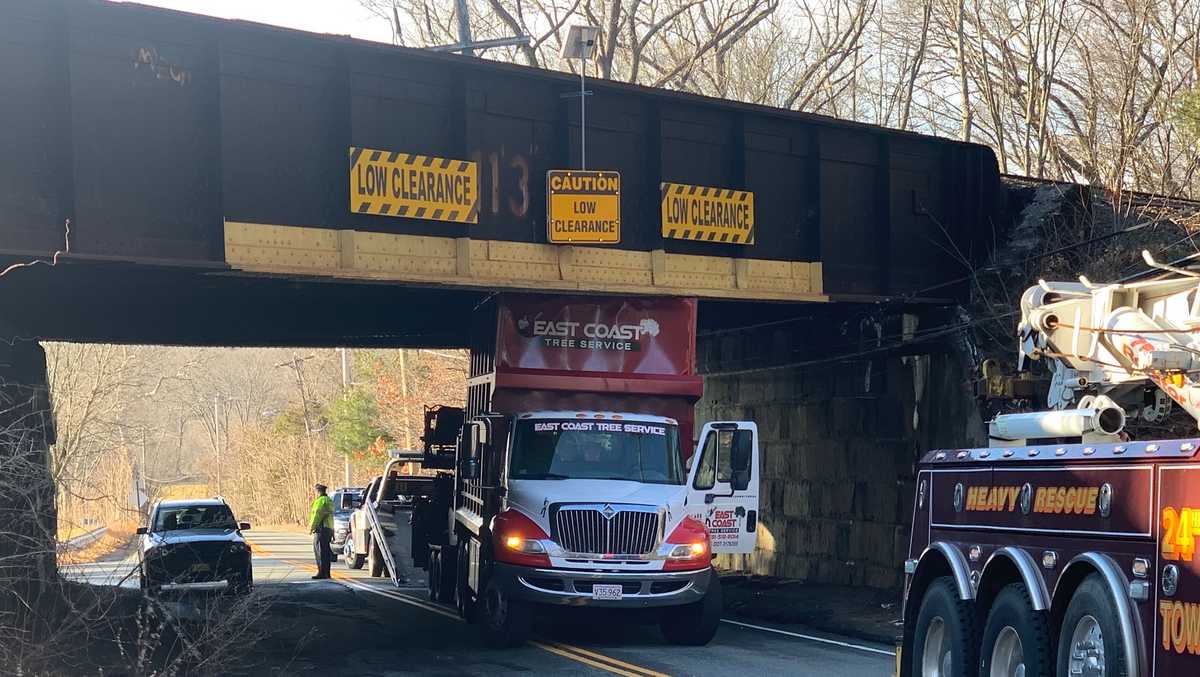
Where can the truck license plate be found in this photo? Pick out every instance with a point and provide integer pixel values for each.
(200, 568)
(608, 592)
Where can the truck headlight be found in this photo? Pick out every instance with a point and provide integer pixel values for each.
(517, 539)
(688, 547)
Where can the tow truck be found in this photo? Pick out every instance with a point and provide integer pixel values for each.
(568, 478)
(1065, 547)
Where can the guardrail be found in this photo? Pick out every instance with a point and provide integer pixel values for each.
(83, 539)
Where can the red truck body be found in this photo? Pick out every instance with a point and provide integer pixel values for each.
(541, 352)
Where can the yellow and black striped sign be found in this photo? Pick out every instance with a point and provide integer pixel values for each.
(707, 214)
(388, 183)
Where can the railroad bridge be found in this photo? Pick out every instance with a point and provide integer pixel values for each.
(197, 181)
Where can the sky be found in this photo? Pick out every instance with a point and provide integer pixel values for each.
(340, 17)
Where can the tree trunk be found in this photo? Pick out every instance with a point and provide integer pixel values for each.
(28, 520)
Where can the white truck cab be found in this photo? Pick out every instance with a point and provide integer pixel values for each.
(599, 509)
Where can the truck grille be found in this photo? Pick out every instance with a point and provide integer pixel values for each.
(606, 529)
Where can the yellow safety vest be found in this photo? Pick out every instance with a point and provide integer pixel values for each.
(321, 513)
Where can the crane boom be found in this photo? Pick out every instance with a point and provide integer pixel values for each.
(1113, 343)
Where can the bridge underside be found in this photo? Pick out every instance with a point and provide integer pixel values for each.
(115, 302)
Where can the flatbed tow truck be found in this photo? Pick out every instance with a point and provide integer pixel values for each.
(566, 479)
(1065, 548)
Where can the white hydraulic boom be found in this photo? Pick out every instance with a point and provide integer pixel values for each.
(1107, 344)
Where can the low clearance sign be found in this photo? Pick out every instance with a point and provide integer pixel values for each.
(583, 207)
(388, 183)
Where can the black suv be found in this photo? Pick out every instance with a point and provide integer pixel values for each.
(195, 541)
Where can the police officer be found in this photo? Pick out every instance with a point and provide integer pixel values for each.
(320, 525)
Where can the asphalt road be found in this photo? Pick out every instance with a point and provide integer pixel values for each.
(357, 625)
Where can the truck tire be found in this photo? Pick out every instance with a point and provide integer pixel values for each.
(695, 624)
(352, 559)
(434, 576)
(945, 643)
(374, 559)
(464, 601)
(1016, 639)
(447, 574)
(504, 621)
(1090, 637)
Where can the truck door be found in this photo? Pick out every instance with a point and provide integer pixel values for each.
(723, 485)
(1177, 612)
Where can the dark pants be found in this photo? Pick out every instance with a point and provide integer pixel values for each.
(321, 550)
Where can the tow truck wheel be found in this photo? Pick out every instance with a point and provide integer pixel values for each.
(944, 644)
(1016, 639)
(506, 622)
(374, 559)
(1089, 643)
(695, 624)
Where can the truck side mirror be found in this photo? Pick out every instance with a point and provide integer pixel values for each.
(470, 469)
(243, 526)
(142, 531)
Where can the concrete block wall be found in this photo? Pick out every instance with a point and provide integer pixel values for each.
(839, 443)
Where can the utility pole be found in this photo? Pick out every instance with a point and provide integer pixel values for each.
(217, 437)
(464, 27)
(296, 364)
(404, 400)
(346, 381)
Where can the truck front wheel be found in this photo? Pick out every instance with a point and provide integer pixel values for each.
(945, 642)
(695, 624)
(506, 622)
(352, 559)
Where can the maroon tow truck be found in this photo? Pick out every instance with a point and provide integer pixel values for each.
(1066, 548)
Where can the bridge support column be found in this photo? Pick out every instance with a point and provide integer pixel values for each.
(28, 521)
(841, 423)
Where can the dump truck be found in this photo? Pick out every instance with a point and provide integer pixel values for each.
(1066, 547)
(568, 479)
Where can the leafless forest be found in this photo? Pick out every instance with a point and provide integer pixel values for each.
(258, 426)
(1096, 91)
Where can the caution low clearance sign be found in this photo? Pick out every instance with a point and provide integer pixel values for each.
(584, 207)
(707, 214)
(387, 183)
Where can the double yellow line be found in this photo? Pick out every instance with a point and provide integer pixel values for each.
(596, 660)
(569, 651)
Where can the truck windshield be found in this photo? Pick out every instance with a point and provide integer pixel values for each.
(596, 450)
